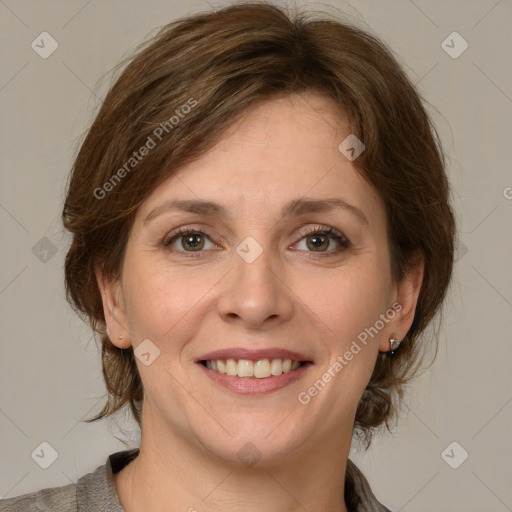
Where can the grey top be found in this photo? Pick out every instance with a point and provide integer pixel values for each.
(95, 492)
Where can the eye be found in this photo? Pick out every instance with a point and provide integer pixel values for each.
(192, 240)
(318, 240)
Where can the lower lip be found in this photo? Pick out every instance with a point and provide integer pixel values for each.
(253, 385)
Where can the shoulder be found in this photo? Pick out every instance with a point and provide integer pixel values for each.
(94, 492)
(55, 499)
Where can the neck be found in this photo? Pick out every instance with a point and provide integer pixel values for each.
(180, 475)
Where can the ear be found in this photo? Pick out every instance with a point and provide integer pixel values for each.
(407, 293)
(113, 309)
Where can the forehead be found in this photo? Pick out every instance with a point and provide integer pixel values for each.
(277, 151)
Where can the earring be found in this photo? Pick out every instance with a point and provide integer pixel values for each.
(120, 336)
(393, 345)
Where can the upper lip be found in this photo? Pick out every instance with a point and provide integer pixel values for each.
(253, 355)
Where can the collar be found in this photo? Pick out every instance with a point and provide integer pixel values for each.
(96, 491)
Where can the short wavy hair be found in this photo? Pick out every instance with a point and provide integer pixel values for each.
(223, 62)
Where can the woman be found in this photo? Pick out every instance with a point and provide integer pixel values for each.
(261, 233)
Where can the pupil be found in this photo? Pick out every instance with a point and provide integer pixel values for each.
(191, 243)
(316, 241)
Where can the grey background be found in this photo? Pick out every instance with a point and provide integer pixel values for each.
(49, 364)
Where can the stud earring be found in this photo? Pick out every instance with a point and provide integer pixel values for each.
(393, 345)
(120, 336)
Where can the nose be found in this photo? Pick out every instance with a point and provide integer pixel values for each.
(256, 294)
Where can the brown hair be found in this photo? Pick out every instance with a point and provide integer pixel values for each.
(219, 63)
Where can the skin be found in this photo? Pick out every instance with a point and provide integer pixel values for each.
(282, 149)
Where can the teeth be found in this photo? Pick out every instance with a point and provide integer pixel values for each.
(261, 369)
(276, 367)
(245, 368)
(231, 367)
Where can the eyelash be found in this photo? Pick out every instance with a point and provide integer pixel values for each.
(317, 230)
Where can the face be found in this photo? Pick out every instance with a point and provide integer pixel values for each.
(291, 262)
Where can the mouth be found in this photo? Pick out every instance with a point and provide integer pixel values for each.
(254, 371)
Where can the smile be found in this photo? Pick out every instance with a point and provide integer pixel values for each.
(258, 376)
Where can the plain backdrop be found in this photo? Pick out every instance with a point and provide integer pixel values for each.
(50, 376)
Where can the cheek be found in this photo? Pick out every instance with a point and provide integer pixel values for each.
(346, 301)
(161, 301)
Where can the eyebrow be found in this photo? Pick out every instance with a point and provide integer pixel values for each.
(293, 208)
